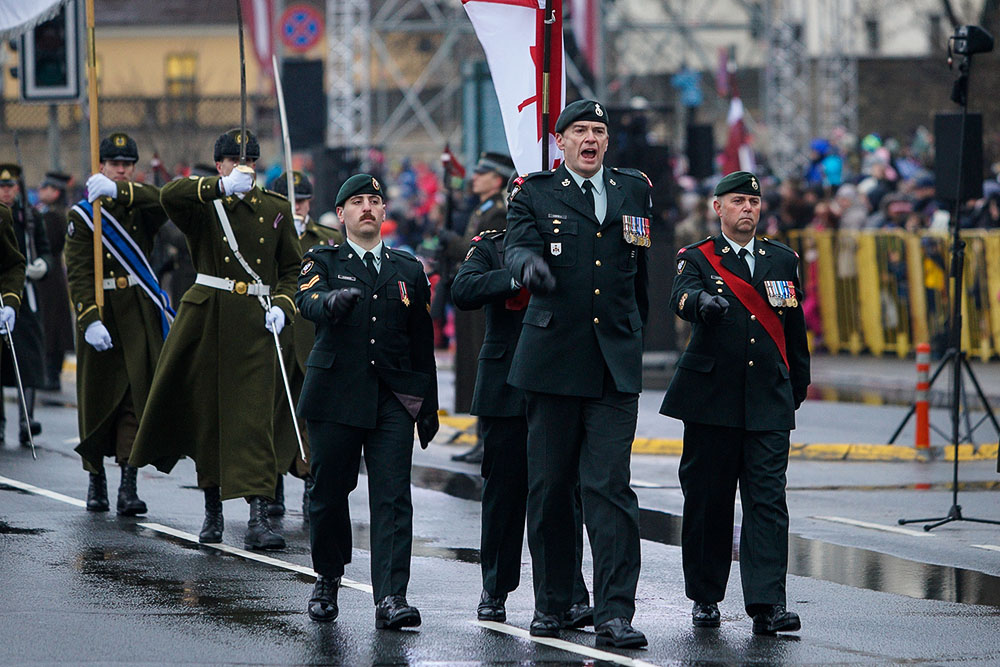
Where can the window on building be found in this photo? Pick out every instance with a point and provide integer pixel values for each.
(872, 37)
(180, 78)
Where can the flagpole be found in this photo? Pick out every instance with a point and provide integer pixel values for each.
(95, 157)
(547, 20)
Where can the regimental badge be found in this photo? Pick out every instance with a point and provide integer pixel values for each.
(781, 293)
(120, 140)
(753, 183)
(555, 249)
(636, 230)
(375, 184)
(307, 267)
(296, 178)
(514, 191)
(469, 254)
(598, 110)
(403, 293)
(70, 229)
(306, 285)
(565, 182)
(681, 263)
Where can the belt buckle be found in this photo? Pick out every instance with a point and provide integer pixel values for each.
(121, 282)
(240, 288)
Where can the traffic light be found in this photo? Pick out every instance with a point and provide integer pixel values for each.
(48, 59)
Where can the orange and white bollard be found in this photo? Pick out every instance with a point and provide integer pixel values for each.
(922, 438)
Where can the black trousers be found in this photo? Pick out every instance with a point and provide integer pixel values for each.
(505, 499)
(715, 459)
(336, 458)
(588, 440)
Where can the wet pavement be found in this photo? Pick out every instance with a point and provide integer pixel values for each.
(81, 587)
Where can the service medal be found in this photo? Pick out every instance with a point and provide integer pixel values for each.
(403, 294)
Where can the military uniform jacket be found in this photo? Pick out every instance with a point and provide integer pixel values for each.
(304, 330)
(213, 393)
(33, 242)
(387, 337)
(53, 291)
(488, 215)
(131, 317)
(484, 282)
(11, 263)
(596, 314)
(732, 373)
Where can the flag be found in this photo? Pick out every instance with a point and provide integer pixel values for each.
(510, 32)
(585, 22)
(738, 154)
(454, 171)
(259, 18)
(19, 16)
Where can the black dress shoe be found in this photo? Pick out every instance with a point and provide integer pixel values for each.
(491, 608)
(776, 619)
(392, 613)
(579, 615)
(619, 633)
(545, 625)
(323, 603)
(705, 615)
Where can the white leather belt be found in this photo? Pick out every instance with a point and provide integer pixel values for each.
(120, 282)
(227, 285)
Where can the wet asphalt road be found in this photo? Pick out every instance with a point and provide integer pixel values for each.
(94, 588)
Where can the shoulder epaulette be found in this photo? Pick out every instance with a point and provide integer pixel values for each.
(324, 247)
(634, 173)
(494, 234)
(275, 194)
(778, 244)
(694, 245)
(405, 255)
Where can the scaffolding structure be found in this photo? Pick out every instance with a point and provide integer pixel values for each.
(786, 88)
(836, 70)
(348, 74)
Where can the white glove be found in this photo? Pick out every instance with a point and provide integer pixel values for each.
(100, 185)
(37, 269)
(97, 336)
(237, 181)
(274, 320)
(7, 317)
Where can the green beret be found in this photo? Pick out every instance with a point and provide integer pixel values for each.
(742, 182)
(581, 110)
(359, 184)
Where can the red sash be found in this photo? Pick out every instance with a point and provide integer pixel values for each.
(751, 300)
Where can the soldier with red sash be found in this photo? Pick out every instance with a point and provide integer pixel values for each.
(737, 386)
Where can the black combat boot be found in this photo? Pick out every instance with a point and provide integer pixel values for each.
(97, 492)
(260, 535)
(211, 529)
(129, 503)
(36, 427)
(276, 507)
(309, 482)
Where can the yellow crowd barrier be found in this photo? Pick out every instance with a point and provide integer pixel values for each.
(885, 291)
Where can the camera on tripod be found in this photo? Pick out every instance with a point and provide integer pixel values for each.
(970, 40)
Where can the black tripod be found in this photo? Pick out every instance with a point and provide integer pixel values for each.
(956, 355)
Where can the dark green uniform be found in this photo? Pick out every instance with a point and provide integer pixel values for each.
(484, 282)
(29, 341)
(737, 398)
(11, 263)
(369, 376)
(213, 393)
(580, 360)
(112, 386)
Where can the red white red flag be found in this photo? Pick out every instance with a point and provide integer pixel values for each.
(258, 17)
(738, 154)
(511, 34)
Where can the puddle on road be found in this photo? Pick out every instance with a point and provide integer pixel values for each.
(7, 529)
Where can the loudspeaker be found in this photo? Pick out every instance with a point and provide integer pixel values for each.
(305, 102)
(947, 140)
(331, 167)
(700, 151)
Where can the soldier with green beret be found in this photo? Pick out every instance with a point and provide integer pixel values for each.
(370, 377)
(577, 238)
(737, 386)
(296, 343)
(117, 348)
(213, 393)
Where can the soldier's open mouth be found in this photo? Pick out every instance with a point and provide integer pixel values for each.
(589, 153)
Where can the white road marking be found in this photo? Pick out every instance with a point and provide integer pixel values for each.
(563, 644)
(875, 526)
(991, 547)
(42, 492)
(71, 441)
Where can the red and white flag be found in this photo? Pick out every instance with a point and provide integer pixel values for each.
(585, 23)
(258, 16)
(738, 154)
(511, 33)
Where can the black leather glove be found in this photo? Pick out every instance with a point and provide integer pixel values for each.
(711, 309)
(339, 302)
(537, 277)
(427, 428)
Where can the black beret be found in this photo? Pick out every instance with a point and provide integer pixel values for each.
(228, 145)
(9, 173)
(303, 187)
(119, 146)
(359, 184)
(495, 162)
(56, 179)
(742, 182)
(581, 110)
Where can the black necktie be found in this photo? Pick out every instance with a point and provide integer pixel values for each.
(588, 192)
(370, 265)
(744, 267)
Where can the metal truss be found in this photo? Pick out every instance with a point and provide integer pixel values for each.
(348, 74)
(786, 90)
(836, 69)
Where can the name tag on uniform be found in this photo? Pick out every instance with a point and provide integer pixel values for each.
(636, 230)
(343, 277)
(781, 293)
